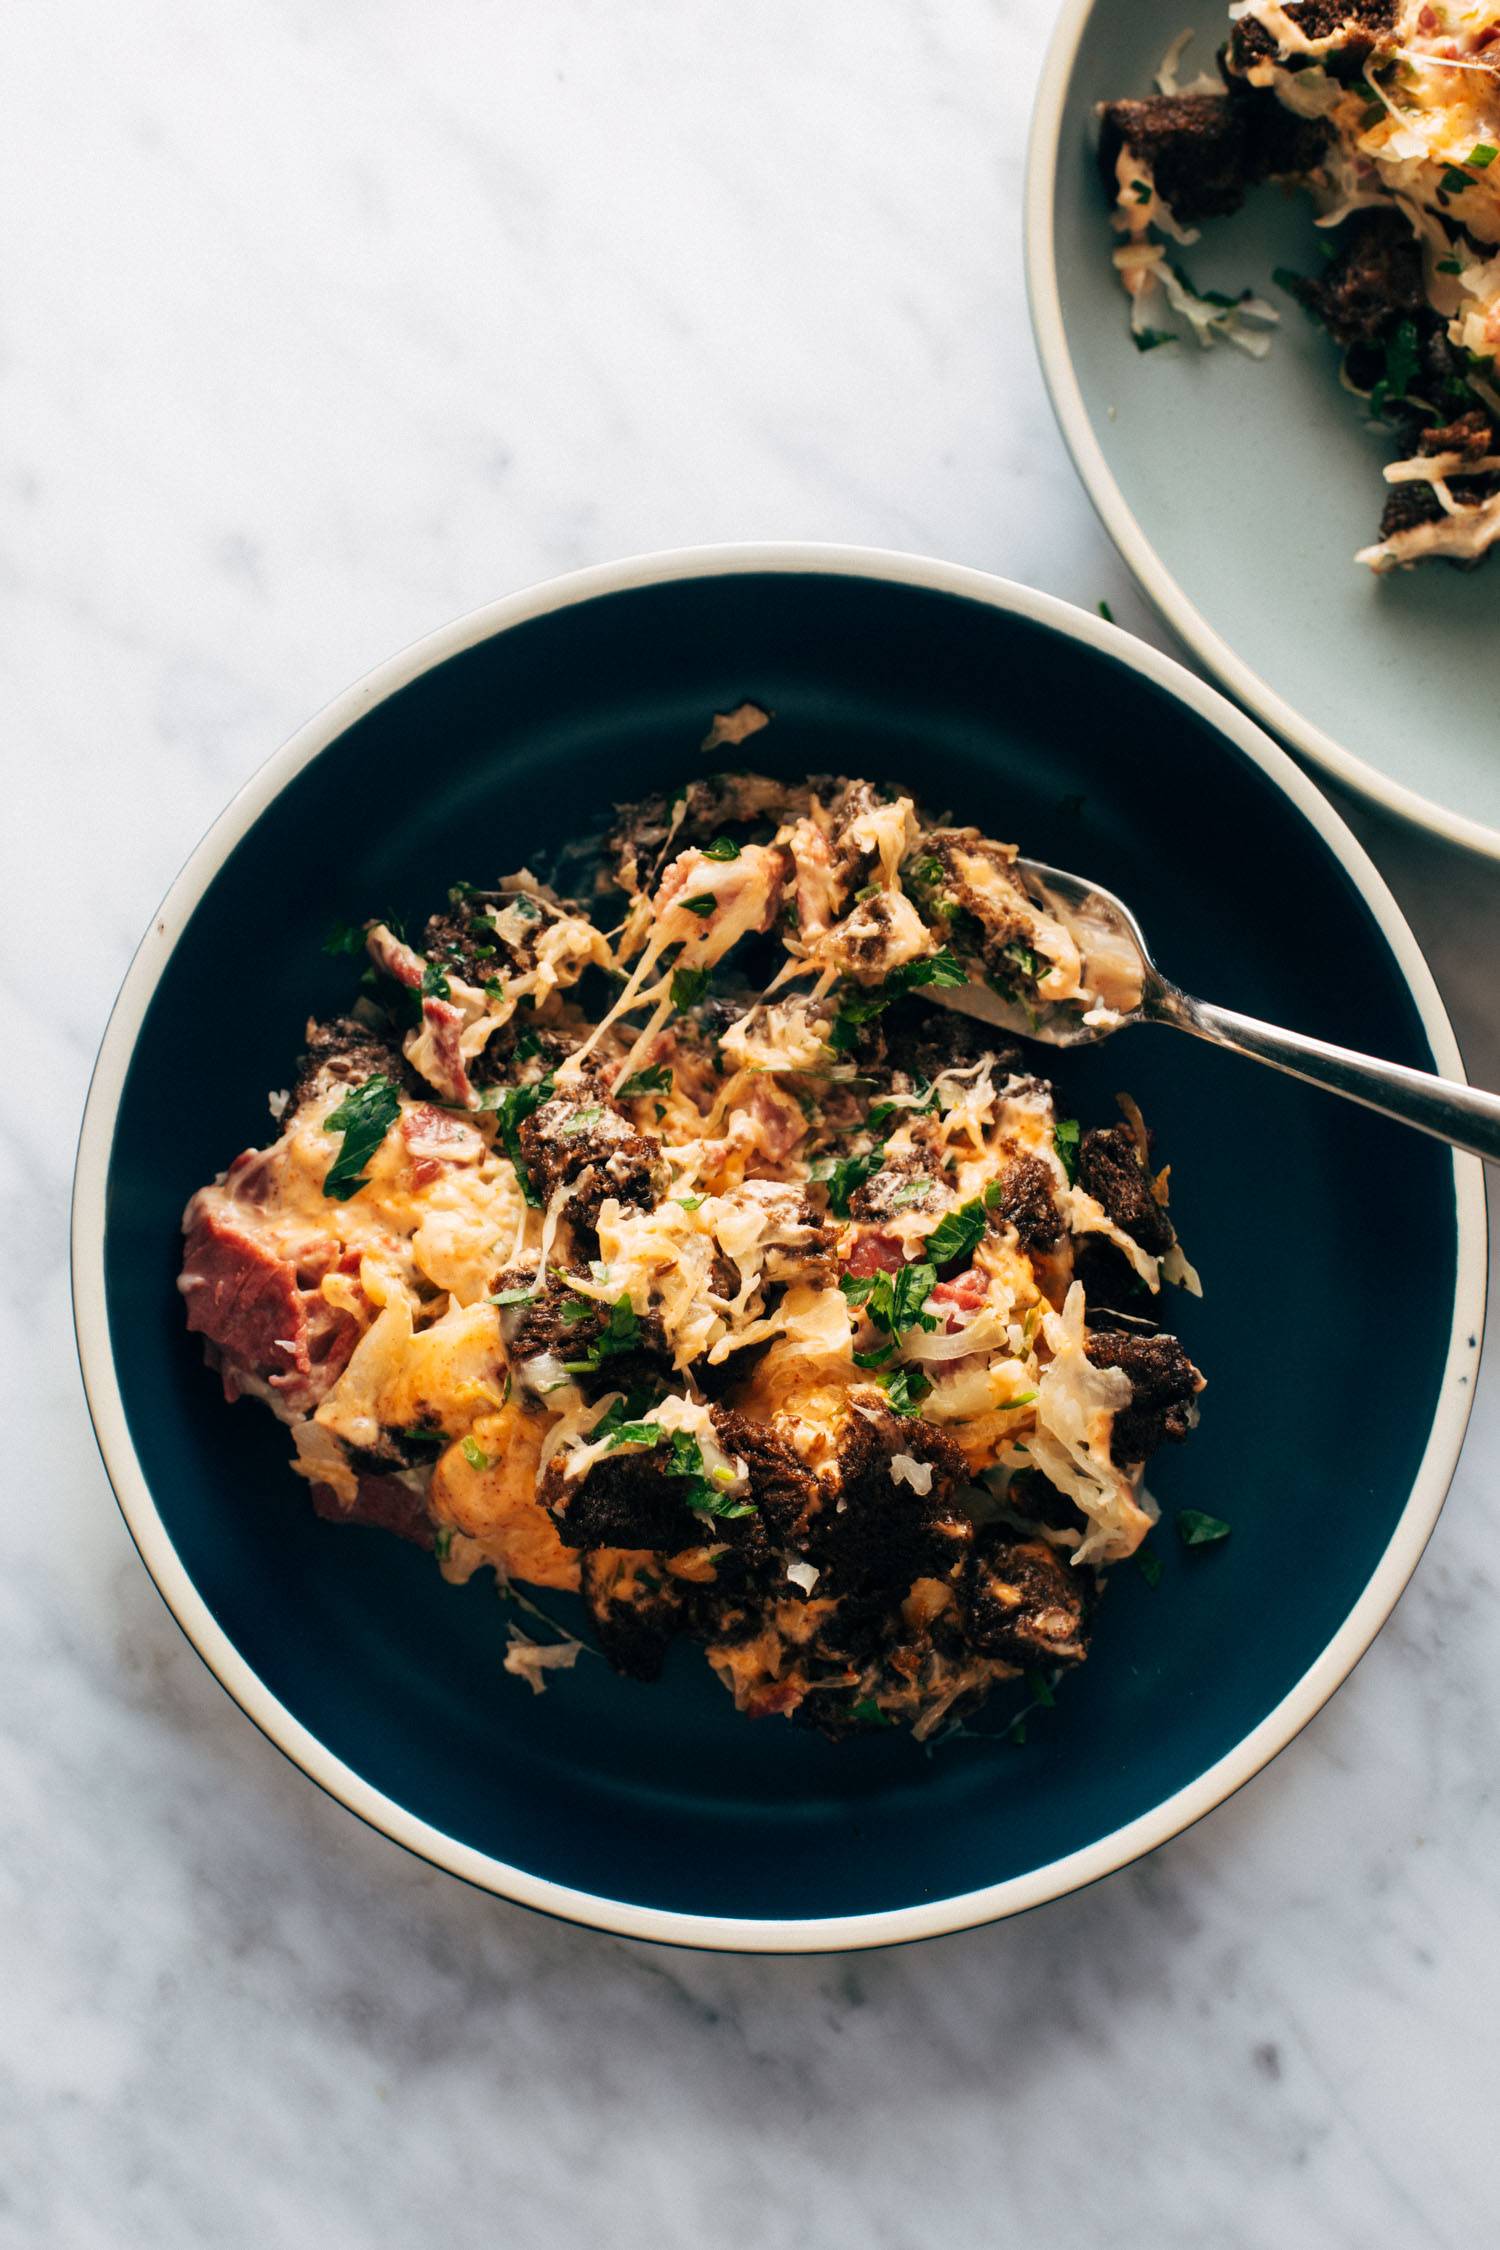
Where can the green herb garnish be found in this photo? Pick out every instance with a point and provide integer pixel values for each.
(894, 1301)
(364, 1118)
(722, 847)
(958, 1235)
(688, 987)
(704, 903)
(1481, 156)
(434, 983)
(582, 1119)
(476, 1456)
(684, 1459)
(345, 937)
(1151, 339)
(442, 1540)
(1195, 1529)
(1106, 613)
(843, 1176)
(657, 1080)
(869, 1713)
(1067, 1133)
(621, 1333)
(939, 969)
(511, 1106)
(1148, 1565)
(905, 1388)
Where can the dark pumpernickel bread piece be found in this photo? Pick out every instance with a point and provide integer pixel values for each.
(1164, 1386)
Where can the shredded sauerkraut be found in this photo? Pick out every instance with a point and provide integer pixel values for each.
(753, 1316)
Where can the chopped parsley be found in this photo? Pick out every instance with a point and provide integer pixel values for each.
(1450, 265)
(1106, 613)
(1481, 156)
(1401, 362)
(1142, 190)
(959, 1234)
(722, 847)
(939, 969)
(704, 903)
(345, 937)
(879, 1119)
(434, 983)
(364, 1118)
(1151, 339)
(511, 1106)
(515, 1296)
(442, 1540)
(1066, 1135)
(684, 1459)
(905, 1388)
(576, 1309)
(1195, 1529)
(657, 1080)
(1029, 962)
(893, 1301)
(869, 1713)
(582, 1119)
(1454, 182)
(688, 987)
(425, 1437)
(621, 1333)
(844, 1175)
(1039, 1687)
(690, 1202)
(1148, 1565)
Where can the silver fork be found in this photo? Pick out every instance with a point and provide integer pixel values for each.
(1461, 1114)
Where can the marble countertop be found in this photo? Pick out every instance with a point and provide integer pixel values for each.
(321, 324)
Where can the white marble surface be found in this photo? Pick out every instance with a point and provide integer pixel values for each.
(321, 321)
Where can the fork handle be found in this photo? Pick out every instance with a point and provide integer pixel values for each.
(1450, 1111)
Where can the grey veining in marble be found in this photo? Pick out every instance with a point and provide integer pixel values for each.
(319, 323)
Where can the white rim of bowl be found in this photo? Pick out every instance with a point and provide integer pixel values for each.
(727, 1933)
(1044, 149)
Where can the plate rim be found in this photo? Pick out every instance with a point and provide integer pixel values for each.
(340, 1781)
(1166, 596)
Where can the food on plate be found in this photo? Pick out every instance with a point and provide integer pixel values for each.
(676, 1249)
(1388, 113)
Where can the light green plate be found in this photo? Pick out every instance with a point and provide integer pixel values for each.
(1238, 490)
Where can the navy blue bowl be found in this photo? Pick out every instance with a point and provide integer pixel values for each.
(658, 1810)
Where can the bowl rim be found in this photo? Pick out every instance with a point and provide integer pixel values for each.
(621, 1917)
(1167, 598)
